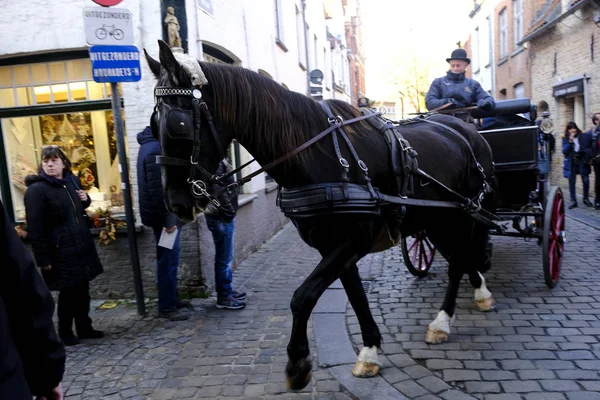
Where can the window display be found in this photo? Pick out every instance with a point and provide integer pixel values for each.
(87, 138)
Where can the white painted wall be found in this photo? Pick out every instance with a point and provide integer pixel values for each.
(244, 29)
(481, 42)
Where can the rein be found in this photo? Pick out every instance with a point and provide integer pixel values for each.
(199, 186)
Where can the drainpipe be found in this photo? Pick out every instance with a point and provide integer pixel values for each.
(306, 47)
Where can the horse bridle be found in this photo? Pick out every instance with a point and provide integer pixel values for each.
(199, 187)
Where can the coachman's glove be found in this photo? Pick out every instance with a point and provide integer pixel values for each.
(484, 105)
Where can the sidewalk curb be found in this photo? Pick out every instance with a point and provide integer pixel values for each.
(335, 351)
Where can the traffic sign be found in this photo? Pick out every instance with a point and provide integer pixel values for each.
(107, 3)
(108, 26)
(115, 63)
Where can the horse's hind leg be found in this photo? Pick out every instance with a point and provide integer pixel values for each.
(481, 262)
(303, 301)
(368, 363)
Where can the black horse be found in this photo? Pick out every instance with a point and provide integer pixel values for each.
(202, 107)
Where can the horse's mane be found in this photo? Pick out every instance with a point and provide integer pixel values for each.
(275, 119)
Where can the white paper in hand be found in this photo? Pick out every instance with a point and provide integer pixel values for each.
(167, 240)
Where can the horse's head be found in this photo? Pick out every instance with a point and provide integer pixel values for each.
(190, 144)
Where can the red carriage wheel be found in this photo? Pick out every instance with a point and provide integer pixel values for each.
(418, 253)
(553, 237)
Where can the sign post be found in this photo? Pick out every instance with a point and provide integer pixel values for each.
(116, 60)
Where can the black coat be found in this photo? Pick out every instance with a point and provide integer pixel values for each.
(32, 357)
(59, 233)
(153, 211)
(457, 88)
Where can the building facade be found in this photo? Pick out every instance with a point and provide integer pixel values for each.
(564, 46)
(48, 96)
(513, 64)
(480, 44)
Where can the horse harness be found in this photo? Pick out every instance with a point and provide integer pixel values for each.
(340, 197)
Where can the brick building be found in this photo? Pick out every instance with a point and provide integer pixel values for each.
(564, 47)
(356, 54)
(512, 62)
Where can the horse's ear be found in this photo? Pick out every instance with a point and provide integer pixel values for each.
(153, 64)
(167, 59)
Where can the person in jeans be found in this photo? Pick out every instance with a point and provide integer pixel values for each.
(221, 223)
(595, 133)
(32, 360)
(62, 244)
(577, 148)
(156, 216)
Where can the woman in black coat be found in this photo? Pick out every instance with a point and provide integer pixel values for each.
(62, 244)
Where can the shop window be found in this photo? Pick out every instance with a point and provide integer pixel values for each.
(87, 138)
(50, 83)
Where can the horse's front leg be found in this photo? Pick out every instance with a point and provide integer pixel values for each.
(368, 363)
(439, 328)
(303, 301)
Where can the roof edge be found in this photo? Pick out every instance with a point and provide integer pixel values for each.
(552, 23)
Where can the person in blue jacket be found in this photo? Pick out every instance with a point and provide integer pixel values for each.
(154, 214)
(455, 88)
(578, 150)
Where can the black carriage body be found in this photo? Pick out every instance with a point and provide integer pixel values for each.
(518, 165)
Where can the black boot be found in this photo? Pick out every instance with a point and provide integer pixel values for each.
(587, 202)
(68, 338)
(573, 205)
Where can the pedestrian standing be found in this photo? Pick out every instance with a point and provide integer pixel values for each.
(595, 133)
(577, 149)
(156, 216)
(221, 223)
(62, 243)
(32, 357)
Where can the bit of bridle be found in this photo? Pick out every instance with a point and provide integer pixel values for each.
(199, 187)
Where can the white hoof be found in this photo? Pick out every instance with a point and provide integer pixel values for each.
(439, 329)
(483, 297)
(368, 364)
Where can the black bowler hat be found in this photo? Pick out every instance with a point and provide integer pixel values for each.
(459, 54)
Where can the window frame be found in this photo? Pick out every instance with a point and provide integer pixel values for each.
(517, 21)
(503, 32)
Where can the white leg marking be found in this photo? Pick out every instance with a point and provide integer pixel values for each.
(368, 355)
(482, 293)
(441, 322)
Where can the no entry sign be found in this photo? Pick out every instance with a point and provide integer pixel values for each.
(107, 3)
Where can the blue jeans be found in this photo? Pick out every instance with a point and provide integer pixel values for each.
(586, 186)
(167, 262)
(222, 233)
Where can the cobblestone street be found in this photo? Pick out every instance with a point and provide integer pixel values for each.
(538, 344)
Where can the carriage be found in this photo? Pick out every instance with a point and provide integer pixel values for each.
(527, 206)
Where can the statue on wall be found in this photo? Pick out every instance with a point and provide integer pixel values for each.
(172, 28)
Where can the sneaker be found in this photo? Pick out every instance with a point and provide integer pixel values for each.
(230, 303)
(239, 295)
(587, 202)
(597, 206)
(91, 334)
(185, 303)
(175, 315)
